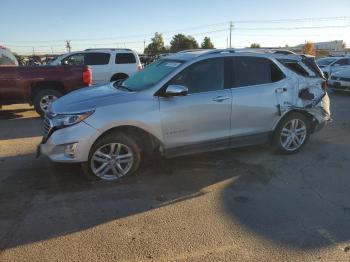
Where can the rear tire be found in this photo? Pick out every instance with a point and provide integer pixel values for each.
(113, 151)
(291, 133)
(43, 98)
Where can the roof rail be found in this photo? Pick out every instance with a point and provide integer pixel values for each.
(216, 51)
(111, 49)
(251, 50)
(247, 50)
(193, 50)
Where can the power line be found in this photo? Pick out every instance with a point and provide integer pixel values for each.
(310, 19)
(294, 28)
(201, 33)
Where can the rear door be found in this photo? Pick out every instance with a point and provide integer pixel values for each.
(257, 85)
(125, 63)
(99, 64)
(199, 121)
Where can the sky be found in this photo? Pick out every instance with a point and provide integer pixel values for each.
(44, 25)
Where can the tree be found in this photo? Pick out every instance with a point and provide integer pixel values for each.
(20, 59)
(309, 49)
(207, 44)
(255, 45)
(343, 45)
(156, 46)
(181, 42)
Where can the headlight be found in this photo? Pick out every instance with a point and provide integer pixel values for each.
(60, 121)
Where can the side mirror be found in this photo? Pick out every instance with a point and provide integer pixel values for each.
(64, 62)
(176, 90)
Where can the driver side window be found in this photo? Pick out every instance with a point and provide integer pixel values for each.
(76, 59)
(203, 76)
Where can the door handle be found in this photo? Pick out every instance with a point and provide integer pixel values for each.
(281, 90)
(220, 98)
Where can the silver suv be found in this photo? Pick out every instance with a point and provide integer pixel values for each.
(189, 102)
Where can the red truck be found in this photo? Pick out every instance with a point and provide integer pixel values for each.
(37, 85)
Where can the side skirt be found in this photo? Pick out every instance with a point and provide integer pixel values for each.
(233, 142)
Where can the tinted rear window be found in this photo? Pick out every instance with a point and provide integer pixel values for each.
(125, 58)
(97, 58)
(249, 71)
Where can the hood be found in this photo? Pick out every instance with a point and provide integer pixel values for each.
(89, 98)
(342, 73)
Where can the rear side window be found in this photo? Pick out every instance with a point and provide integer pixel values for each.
(296, 68)
(249, 71)
(97, 58)
(125, 58)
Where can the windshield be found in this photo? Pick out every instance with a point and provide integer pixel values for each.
(325, 61)
(55, 61)
(151, 75)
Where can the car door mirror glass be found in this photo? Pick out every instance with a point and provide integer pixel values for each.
(176, 90)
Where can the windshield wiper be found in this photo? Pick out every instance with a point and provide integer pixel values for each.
(118, 85)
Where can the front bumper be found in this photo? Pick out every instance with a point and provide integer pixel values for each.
(82, 134)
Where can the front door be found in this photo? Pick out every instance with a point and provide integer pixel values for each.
(199, 121)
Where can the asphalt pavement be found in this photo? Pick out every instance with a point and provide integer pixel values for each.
(246, 204)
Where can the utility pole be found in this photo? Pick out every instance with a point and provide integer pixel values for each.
(33, 52)
(231, 27)
(68, 46)
(144, 45)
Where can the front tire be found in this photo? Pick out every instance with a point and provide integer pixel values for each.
(43, 99)
(112, 157)
(291, 133)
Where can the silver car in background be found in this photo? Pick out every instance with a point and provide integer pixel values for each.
(189, 102)
(331, 64)
(340, 81)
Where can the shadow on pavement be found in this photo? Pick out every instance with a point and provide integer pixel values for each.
(31, 127)
(40, 200)
(8, 114)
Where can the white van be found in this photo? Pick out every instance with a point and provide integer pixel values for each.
(107, 65)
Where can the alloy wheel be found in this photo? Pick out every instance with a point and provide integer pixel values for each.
(112, 161)
(293, 134)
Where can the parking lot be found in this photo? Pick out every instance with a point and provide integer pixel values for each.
(247, 204)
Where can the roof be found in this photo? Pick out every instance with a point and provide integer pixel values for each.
(187, 55)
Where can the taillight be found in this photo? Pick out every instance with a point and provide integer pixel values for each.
(87, 76)
(140, 67)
